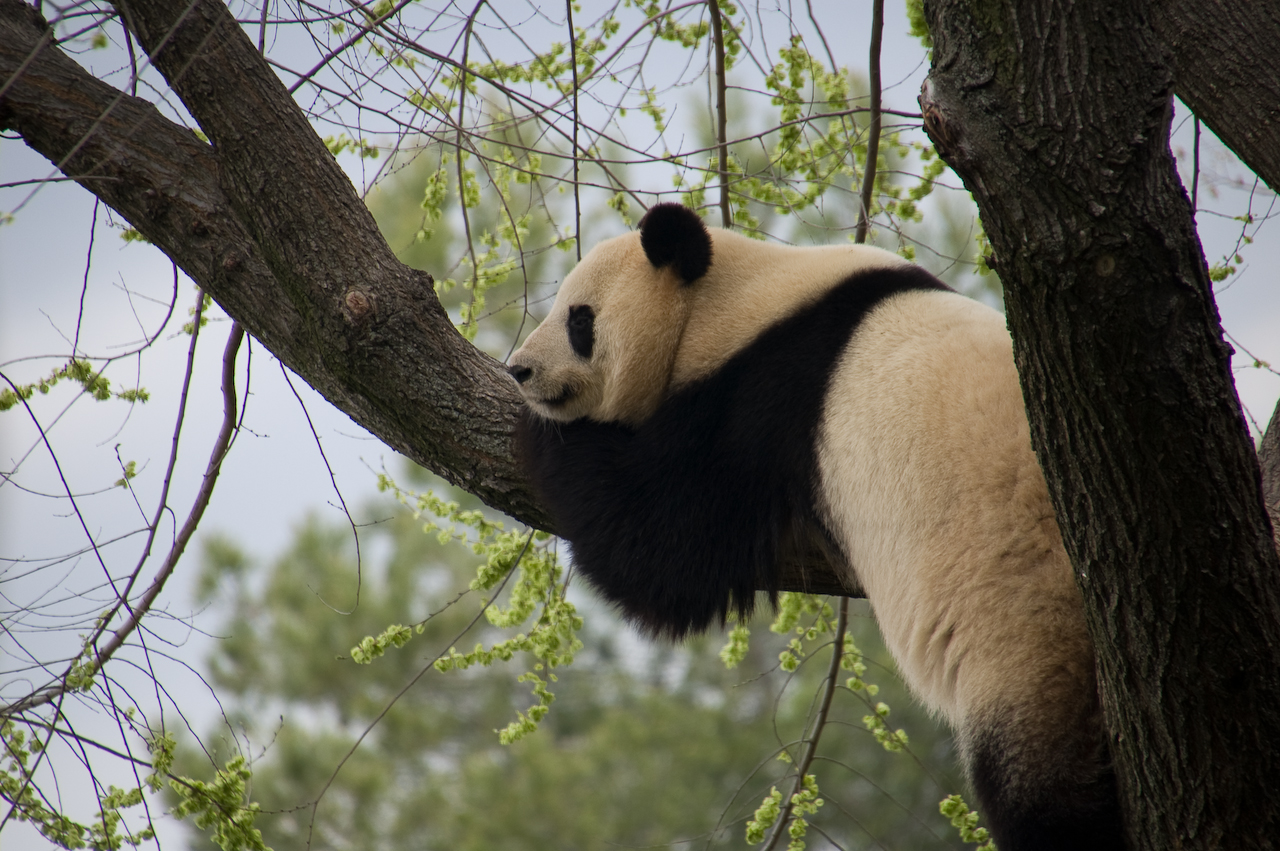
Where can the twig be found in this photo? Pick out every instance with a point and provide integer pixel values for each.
(144, 604)
(819, 723)
(822, 37)
(873, 143)
(577, 201)
(84, 286)
(422, 672)
(371, 23)
(717, 31)
(351, 521)
(462, 189)
(1195, 167)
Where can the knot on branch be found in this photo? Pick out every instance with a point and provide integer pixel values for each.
(358, 306)
(945, 134)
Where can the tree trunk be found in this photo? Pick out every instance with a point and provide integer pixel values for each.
(1056, 116)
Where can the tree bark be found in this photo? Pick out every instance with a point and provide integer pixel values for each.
(1056, 116)
(1269, 461)
(1223, 56)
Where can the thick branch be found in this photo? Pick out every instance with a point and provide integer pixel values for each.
(1223, 57)
(333, 303)
(717, 39)
(1056, 116)
(382, 337)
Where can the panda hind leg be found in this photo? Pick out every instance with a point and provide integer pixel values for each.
(1033, 801)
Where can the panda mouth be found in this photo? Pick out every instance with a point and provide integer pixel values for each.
(566, 395)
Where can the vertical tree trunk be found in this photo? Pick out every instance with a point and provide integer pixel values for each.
(1057, 118)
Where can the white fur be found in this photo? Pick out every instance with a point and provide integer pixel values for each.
(934, 493)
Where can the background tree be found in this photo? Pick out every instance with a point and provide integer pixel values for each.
(265, 221)
(640, 749)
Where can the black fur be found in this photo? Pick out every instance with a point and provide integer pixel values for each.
(1051, 811)
(581, 328)
(674, 235)
(680, 521)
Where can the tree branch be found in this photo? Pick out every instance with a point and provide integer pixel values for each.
(867, 196)
(819, 724)
(722, 152)
(313, 281)
(1269, 461)
(1214, 47)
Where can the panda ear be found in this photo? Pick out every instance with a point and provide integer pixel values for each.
(673, 235)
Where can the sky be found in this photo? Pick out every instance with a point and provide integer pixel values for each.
(275, 475)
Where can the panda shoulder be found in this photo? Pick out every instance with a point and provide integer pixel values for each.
(751, 286)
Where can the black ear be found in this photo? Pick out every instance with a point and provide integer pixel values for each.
(673, 235)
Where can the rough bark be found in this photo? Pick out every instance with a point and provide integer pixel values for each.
(1223, 55)
(1056, 116)
(1269, 461)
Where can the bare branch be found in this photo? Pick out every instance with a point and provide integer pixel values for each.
(717, 35)
(873, 140)
(1213, 47)
(819, 723)
(137, 611)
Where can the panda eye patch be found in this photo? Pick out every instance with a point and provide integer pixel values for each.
(582, 329)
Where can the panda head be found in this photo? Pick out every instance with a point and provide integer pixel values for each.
(606, 349)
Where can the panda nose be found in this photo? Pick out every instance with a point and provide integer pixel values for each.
(520, 372)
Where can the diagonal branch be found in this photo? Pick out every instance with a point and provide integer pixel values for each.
(311, 276)
(1214, 47)
(819, 724)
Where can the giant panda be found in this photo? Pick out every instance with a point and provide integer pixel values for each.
(699, 404)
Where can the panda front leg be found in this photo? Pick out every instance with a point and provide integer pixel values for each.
(1045, 787)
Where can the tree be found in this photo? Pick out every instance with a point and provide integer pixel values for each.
(251, 216)
(1108, 294)
(636, 751)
